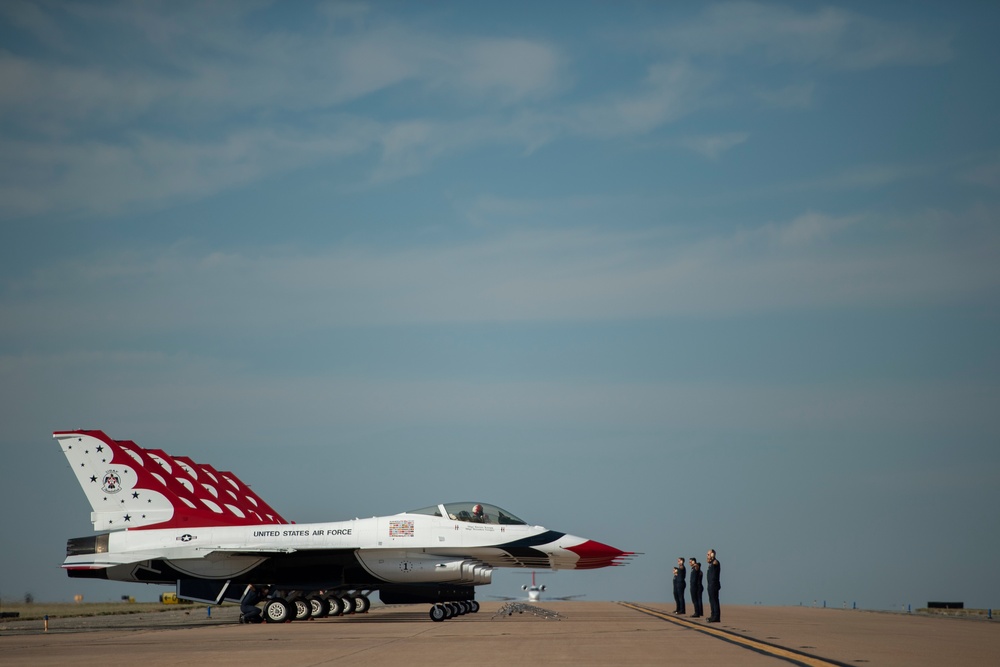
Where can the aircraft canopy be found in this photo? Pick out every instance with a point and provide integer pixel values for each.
(467, 512)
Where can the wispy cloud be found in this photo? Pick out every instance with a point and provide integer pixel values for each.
(508, 70)
(205, 65)
(94, 177)
(670, 90)
(986, 173)
(219, 98)
(829, 36)
(209, 100)
(242, 399)
(809, 262)
(792, 96)
(712, 146)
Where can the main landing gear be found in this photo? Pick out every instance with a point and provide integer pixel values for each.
(295, 606)
(301, 608)
(446, 610)
(277, 610)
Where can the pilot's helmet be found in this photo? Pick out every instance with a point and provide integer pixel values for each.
(478, 509)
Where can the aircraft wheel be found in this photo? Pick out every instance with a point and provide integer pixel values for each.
(362, 604)
(475, 606)
(438, 613)
(335, 604)
(319, 607)
(348, 604)
(277, 611)
(463, 607)
(301, 608)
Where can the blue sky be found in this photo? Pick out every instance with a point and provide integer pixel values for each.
(671, 276)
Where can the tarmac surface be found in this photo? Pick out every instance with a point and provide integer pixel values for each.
(559, 633)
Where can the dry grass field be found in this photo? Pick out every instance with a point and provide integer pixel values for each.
(38, 610)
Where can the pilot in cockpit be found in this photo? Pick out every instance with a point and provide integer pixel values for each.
(477, 514)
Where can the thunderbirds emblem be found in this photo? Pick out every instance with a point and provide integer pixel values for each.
(112, 482)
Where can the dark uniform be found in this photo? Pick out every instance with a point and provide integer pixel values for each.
(714, 586)
(249, 613)
(696, 590)
(680, 583)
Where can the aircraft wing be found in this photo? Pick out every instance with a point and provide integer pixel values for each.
(98, 561)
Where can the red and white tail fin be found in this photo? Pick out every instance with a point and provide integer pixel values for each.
(226, 487)
(131, 487)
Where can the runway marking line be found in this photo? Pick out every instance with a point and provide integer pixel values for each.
(791, 655)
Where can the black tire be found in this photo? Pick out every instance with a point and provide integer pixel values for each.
(347, 602)
(301, 609)
(277, 610)
(438, 613)
(362, 604)
(335, 605)
(320, 608)
(475, 606)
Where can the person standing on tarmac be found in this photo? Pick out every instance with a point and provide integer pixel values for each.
(714, 586)
(696, 588)
(680, 583)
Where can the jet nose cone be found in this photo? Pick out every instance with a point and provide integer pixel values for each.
(594, 554)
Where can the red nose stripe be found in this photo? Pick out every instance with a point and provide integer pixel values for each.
(594, 554)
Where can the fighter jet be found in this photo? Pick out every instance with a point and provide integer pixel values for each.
(165, 519)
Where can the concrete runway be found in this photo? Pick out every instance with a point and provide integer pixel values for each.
(589, 633)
